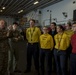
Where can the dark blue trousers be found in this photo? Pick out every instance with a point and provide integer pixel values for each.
(60, 59)
(73, 64)
(68, 51)
(46, 53)
(33, 51)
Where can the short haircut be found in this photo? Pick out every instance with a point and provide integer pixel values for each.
(61, 27)
(53, 23)
(69, 23)
(74, 23)
(32, 20)
(4, 22)
(15, 23)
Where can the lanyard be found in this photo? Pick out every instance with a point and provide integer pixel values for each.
(32, 32)
(59, 40)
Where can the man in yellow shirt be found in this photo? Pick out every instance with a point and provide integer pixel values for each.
(46, 45)
(69, 32)
(61, 45)
(32, 35)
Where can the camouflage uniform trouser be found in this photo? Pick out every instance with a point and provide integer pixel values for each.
(3, 63)
(14, 57)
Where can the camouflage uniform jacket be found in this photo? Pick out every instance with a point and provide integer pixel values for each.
(4, 45)
(16, 35)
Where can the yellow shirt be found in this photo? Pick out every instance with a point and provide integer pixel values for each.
(33, 34)
(61, 41)
(46, 41)
(69, 33)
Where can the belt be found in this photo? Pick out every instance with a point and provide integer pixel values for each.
(32, 43)
(60, 50)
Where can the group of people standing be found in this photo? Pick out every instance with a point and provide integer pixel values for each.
(57, 45)
(10, 36)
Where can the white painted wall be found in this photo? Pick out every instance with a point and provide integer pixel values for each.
(56, 12)
(9, 20)
(57, 9)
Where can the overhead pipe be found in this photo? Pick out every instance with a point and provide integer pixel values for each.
(42, 5)
(1, 2)
(15, 2)
(28, 4)
(5, 3)
(16, 5)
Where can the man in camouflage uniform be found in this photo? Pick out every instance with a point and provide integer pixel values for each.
(15, 42)
(4, 47)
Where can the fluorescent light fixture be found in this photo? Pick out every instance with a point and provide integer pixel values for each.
(20, 11)
(36, 2)
(3, 7)
(1, 10)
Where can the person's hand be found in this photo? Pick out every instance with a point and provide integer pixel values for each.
(16, 39)
(8, 34)
(10, 27)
